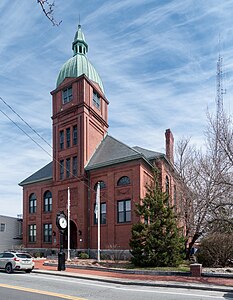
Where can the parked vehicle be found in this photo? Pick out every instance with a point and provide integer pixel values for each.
(12, 261)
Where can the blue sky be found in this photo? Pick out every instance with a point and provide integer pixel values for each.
(157, 60)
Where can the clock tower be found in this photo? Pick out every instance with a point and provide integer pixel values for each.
(80, 122)
(80, 113)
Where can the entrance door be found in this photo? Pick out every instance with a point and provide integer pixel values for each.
(73, 235)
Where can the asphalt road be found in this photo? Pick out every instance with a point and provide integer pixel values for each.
(22, 286)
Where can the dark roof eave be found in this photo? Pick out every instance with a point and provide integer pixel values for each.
(35, 181)
(118, 161)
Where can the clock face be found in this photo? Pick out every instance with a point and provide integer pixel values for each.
(63, 222)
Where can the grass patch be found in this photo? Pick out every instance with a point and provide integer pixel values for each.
(184, 267)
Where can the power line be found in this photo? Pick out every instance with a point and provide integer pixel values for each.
(25, 122)
(51, 156)
(20, 128)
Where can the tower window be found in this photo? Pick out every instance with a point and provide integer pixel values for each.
(67, 95)
(75, 135)
(61, 169)
(67, 167)
(61, 140)
(67, 137)
(80, 49)
(75, 166)
(96, 100)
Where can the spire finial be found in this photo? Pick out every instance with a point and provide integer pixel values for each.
(79, 24)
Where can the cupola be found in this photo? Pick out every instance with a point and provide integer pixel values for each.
(79, 64)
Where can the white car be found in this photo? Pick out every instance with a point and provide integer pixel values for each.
(11, 261)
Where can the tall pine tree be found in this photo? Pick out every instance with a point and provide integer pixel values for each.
(156, 239)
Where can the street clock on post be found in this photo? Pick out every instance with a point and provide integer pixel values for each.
(61, 222)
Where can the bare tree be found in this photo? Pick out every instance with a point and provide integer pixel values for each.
(207, 182)
(48, 9)
(220, 140)
(220, 137)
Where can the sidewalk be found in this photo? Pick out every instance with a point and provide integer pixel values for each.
(203, 283)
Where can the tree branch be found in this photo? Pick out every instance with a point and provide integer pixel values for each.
(48, 9)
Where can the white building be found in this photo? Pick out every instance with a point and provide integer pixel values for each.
(10, 232)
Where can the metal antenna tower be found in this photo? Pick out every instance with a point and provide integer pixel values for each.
(220, 91)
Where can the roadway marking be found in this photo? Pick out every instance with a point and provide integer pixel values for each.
(153, 289)
(19, 288)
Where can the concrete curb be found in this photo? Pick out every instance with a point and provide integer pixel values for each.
(169, 284)
(143, 272)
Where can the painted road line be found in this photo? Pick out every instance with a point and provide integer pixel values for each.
(19, 288)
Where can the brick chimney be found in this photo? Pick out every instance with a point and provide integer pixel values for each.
(169, 145)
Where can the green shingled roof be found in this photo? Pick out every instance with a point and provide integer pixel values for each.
(79, 63)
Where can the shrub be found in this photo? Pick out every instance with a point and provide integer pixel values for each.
(216, 250)
(83, 255)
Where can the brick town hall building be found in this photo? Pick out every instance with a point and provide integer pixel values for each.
(84, 154)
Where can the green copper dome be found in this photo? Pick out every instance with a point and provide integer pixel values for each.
(79, 63)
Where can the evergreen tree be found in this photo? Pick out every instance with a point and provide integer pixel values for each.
(156, 240)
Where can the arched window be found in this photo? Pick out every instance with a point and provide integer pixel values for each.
(167, 185)
(102, 185)
(32, 203)
(48, 201)
(124, 180)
